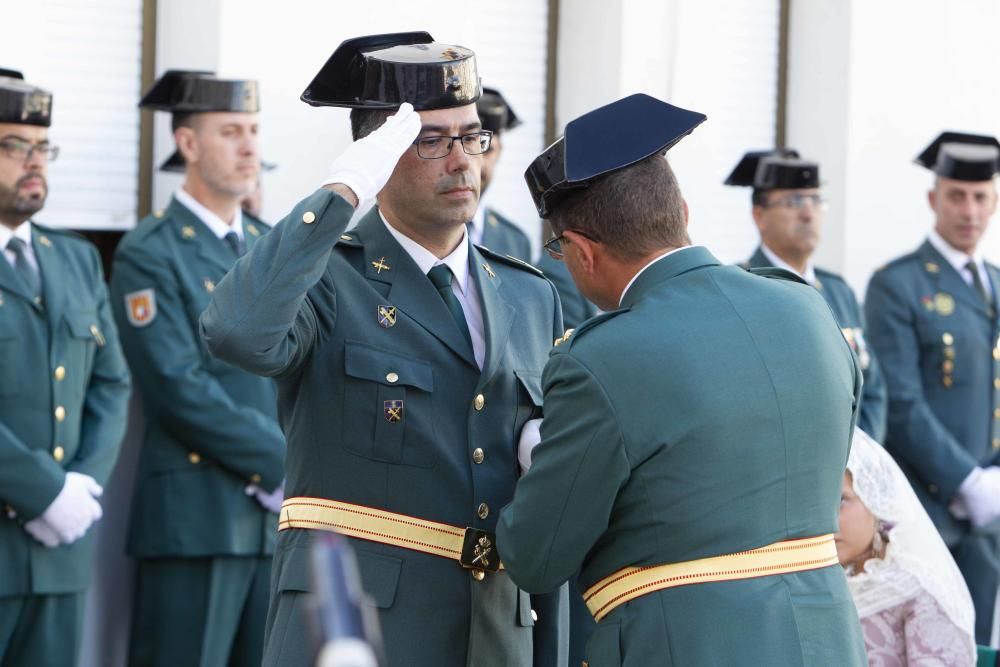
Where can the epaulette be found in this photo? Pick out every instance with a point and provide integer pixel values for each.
(776, 273)
(929, 267)
(349, 239)
(59, 231)
(566, 341)
(512, 261)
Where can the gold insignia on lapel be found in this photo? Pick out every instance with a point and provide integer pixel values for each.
(489, 270)
(564, 337)
(380, 265)
(253, 230)
(387, 316)
(818, 285)
(158, 214)
(44, 240)
(187, 231)
(931, 267)
(492, 219)
(209, 285)
(944, 304)
(346, 237)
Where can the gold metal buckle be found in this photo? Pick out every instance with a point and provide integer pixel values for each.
(479, 551)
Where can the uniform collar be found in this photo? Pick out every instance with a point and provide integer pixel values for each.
(457, 261)
(211, 220)
(954, 256)
(810, 274)
(621, 299)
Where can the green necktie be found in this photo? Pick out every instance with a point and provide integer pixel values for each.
(236, 243)
(977, 284)
(25, 271)
(441, 276)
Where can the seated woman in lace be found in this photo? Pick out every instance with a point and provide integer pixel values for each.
(914, 606)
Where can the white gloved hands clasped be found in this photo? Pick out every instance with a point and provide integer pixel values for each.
(978, 498)
(367, 164)
(71, 514)
(531, 435)
(269, 501)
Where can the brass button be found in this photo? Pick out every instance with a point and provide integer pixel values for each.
(61, 412)
(478, 455)
(478, 575)
(949, 353)
(484, 510)
(996, 353)
(947, 338)
(59, 373)
(255, 478)
(534, 615)
(996, 414)
(996, 443)
(392, 378)
(948, 366)
(58, 453)
(946, 381)
(194, 458)
(308, 217)
(480, 401)
(996, 383)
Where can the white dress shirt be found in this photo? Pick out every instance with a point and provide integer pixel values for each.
(959, 259)
(461, 284)
(218, 226)
(23, 232)
(809, 276)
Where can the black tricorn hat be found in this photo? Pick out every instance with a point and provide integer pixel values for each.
(745, 171)
(22, 103)
(187, 91)
(962, 156)
(495, 113)
(776, 172)
(175, 164)
(383, 71)
(605, 140)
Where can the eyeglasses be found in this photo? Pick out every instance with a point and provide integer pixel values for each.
(474, 143)
(798, 201)
(16, 149)
(554, 245)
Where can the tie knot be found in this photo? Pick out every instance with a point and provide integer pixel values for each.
(440, 275)
(971, 266)
(235, 242)
(16, 245)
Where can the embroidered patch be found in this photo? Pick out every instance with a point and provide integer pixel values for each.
(140, 307)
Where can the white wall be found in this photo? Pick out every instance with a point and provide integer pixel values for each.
(871, 84)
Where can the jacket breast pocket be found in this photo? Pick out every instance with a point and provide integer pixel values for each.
(85, 336)
(388, 408)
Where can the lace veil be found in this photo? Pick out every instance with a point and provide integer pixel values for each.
(916, 556)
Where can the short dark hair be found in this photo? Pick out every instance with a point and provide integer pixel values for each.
(366, 121)
(181, 120)
(634, 211)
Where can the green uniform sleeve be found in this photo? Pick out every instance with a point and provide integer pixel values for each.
(30, 478)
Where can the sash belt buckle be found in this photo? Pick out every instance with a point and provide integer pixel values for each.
(479, 551)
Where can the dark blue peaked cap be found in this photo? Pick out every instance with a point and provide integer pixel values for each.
(605, 140)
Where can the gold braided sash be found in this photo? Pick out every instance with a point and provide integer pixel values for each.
(810, 553)
(472, 548)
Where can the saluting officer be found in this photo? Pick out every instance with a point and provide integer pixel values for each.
(63, 397)
(932, 318)
(407, 361)
(695, 435)
(208, 486)
(788, 209)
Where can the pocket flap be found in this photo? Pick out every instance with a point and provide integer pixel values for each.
(365, 362)
(80, 324)
(532, 383)
(379, 573)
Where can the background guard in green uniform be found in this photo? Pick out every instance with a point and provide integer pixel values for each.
(399, 392)
(63, 397)
(208, 485)
(788, 209)
(710, 412)
(932, 318)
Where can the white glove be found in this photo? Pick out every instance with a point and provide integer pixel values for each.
(269, 501)
(42, 532)
(530, 437)
(978, 497)
(367, 164)
(73, 511)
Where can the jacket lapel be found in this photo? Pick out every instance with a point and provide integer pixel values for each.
(11, 283)
(252, 230)
(759, 260)
(410, 291)
(949, 281)
(197, 236)
(53, 285)
(498, 314)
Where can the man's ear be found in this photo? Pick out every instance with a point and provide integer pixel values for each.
(587, 252)
(187, 144)
(932, 199)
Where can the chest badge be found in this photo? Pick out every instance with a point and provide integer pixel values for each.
(944, 304)
(387, 316)
(393, 411)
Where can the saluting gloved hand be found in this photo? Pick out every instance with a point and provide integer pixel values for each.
(531, 435)
(71, 514)
(978, 497)
(367, 164)
(269, 501)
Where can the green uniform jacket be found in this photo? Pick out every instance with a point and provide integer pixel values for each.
(304, 308)
(840, 297)
(937, 343)
(504, 237)
(64, 394)
(211, 428)
(711, 414)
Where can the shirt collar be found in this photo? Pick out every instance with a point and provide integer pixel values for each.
(955, 257)
(810, 274)
(477, 225)
(211, 220)
(22, 231)
(639, 273)
(457, 261)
